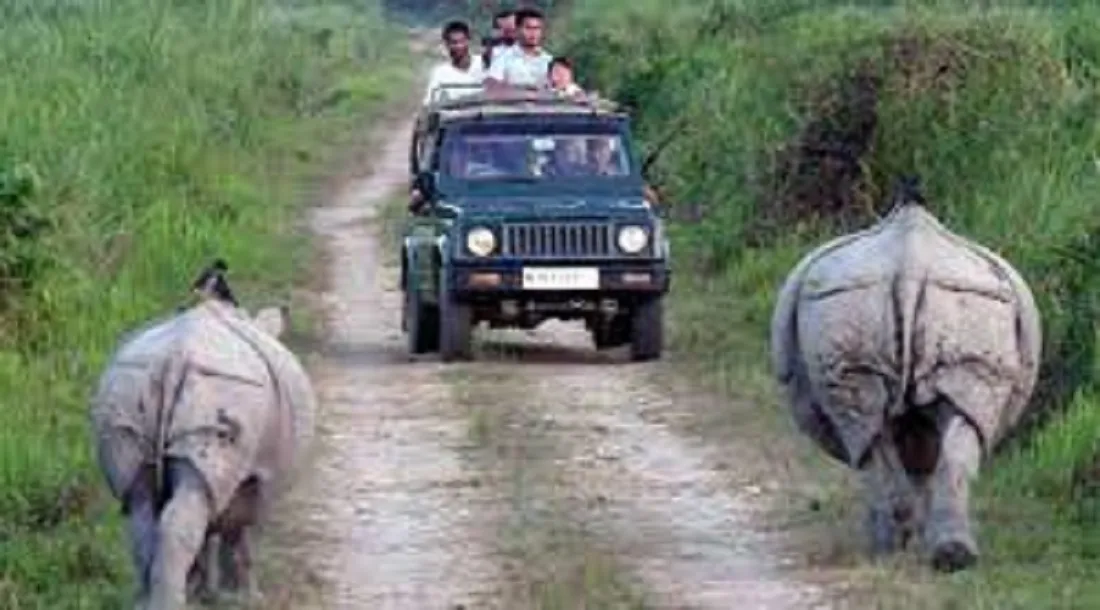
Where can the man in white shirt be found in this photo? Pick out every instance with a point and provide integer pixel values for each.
(526, 64)
(463, 68)
(503, 38)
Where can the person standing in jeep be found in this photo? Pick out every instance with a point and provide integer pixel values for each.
(461, 68)
(560, 78)
(526, 64)
(503, 38)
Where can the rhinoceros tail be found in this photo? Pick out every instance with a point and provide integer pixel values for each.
(172, 375)
(908, 295)
(908, 289)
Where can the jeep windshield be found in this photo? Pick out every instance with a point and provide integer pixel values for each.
(545, 153)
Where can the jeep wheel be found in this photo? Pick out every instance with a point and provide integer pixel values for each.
(422, 324)
(647, 330)
(455, 325)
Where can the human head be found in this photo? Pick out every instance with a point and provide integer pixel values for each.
(504, 26)
(560, 72)
(456, 35)
(603, 154)
(529, 23)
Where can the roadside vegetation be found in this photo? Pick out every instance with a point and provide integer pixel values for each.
(478, 13)
(789, 121)
(139, 139)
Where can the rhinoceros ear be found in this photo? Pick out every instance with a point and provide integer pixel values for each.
(272, 320)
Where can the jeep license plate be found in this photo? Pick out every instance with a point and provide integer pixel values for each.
(561, 278)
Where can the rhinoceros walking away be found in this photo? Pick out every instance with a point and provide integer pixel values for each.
(199, 420)
(907, 352)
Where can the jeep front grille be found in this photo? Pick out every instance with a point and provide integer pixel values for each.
(565, 240)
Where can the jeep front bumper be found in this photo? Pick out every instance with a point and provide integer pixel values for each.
(559, 278)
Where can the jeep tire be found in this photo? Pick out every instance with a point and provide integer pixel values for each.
(455, 324)
(421, 321)
(647, 330)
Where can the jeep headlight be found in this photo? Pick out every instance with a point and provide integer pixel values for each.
(480, 241)
(633, 239)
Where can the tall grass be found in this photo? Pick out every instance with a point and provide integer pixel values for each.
(794, 117)
(138, 140)
(479, 13)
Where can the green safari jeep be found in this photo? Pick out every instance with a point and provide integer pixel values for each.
(528, 207)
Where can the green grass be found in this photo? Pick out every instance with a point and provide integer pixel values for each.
(994, 107)
(138, 140)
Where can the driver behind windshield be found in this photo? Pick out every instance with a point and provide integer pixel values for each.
(475, 159)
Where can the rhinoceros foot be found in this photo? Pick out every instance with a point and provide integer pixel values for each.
(954, 555)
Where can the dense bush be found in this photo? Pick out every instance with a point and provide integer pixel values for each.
(139, 139)
(791, 120)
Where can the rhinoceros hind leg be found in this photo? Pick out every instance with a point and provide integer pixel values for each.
(948, 530)
(237, 559)
(204, 572)
(890, 497)
(140, 509)
(236, 552)
(181, 535)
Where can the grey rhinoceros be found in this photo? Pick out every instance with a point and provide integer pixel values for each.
(907, 352)
(200, 420)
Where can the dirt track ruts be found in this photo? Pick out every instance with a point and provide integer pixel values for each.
(390, 515)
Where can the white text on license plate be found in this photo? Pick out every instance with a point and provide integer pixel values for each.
(561, 278)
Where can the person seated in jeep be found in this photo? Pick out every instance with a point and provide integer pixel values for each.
(605, 158)
(468, 159)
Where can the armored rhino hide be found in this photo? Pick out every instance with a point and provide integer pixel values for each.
(210, 387)
(891, 318)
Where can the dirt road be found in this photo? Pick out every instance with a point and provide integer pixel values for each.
(519, 480)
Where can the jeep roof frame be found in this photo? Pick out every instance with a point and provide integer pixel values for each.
(509, 102)
(513, 102)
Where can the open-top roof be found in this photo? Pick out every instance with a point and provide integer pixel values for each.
(481, 103)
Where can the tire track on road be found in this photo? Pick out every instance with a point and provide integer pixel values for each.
(642, 492)
(389, 515)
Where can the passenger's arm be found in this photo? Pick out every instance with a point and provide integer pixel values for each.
(433, 82)
(494, 77)
(651, 194)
